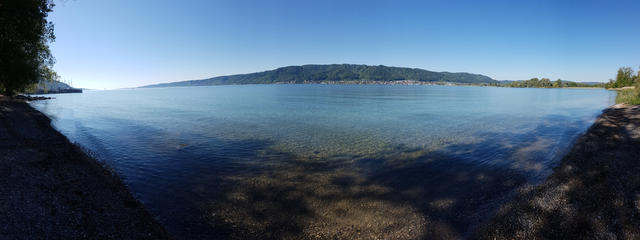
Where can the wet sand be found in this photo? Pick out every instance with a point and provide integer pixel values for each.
(51, 189)
(593, 194)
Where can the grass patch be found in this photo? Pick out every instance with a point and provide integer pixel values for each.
(629, 96)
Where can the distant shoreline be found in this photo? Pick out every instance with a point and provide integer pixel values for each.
(390, 83)
(366, 74)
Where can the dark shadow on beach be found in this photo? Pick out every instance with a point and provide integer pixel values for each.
(593, 194)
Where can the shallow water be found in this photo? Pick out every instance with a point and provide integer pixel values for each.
(334, 161)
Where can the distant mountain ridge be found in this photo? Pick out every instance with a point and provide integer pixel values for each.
(337, 73)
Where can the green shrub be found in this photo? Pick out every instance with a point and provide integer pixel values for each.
(629, 96)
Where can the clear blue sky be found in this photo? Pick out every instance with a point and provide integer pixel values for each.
(129, 43)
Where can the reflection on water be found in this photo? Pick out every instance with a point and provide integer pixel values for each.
(310, 161)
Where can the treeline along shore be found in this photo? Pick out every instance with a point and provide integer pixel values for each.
(51, 189)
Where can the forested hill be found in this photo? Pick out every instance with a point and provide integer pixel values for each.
(336, 73)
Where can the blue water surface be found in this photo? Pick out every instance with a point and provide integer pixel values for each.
(180, 150)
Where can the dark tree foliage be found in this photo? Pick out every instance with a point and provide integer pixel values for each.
(25, 34)
(624, 78)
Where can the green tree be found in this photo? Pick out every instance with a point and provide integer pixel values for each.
(25, 34)
(545, 83)
(557, 84)
(624, 77)
(610, 84)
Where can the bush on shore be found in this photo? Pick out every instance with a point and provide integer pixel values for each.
(629, 96)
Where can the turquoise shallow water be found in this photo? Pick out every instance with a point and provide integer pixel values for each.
(182, 150)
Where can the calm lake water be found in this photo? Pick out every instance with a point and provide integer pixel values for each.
(335, 161)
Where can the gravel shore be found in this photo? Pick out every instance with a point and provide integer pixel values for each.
(50, 189)
(593, 194)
